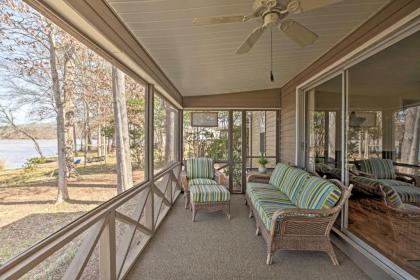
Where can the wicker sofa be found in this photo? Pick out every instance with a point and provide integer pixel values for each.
(294, 210)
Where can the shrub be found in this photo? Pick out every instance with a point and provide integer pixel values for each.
(33, 163)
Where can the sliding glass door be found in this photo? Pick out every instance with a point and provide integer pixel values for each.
(363, 128)
(323, 105)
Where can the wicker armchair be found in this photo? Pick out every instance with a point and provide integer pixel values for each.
(299, 229)
(405, 221)
(212, 176)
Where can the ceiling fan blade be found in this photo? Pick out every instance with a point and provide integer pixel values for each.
(251, 40)
(219, 20)
(299, 6)
(298, 33)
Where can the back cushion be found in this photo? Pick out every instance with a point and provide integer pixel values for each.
(318, 193)
(381, 168)
(278, 173)
(200, 168)
(292, 182)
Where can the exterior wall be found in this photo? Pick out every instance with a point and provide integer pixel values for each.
(385, 18)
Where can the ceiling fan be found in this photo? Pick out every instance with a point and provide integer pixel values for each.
(273, 13)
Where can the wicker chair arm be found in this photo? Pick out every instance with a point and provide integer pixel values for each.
(220, 177)
(259, 178)
(296, 214)
(184, 181)
(408, 178)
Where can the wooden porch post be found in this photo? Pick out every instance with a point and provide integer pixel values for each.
(149, 170)
(107, 251)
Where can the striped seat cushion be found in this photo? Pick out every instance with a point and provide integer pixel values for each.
(392, 183)
(318, 193)
(381, 168)
(201, 181)
(209, 193)
(200, 168)
(408, 194)
(267, 201)
(254, 186)
(292, 182)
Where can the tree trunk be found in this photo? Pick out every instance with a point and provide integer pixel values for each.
(408, 139)
(414, 151)
(124, 171)
(69, 116)
(62, 170)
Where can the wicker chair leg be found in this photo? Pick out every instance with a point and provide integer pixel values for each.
(250, 213)
(194, 212)
(257, 232)
(187, 200)
(332, 255)
(246, 202)
(269, 258)
(228, 211)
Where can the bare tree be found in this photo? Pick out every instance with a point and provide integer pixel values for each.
(7, 118)
(124, 169)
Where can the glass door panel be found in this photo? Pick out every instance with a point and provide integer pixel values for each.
(384, 127)
(323, 128)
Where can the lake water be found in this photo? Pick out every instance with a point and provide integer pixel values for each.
(16, 152)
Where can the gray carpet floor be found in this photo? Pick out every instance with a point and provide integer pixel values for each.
(215, 248)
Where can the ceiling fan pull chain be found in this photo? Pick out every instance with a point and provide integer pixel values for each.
(271, 55)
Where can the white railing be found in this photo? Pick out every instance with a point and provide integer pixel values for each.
(117, 249)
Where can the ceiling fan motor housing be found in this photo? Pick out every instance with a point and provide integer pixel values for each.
(262, 7)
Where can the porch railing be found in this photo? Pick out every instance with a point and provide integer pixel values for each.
(117, 247)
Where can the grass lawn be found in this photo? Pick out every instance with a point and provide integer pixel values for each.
(29, 213)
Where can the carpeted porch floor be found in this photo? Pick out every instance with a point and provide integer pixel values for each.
(215, 248)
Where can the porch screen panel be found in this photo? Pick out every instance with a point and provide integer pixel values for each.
(207, 141)
(383, 139)
(165, 117)
(261, 139)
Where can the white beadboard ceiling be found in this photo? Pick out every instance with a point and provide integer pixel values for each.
(200, 60)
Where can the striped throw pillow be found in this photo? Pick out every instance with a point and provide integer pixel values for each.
(318, 193)
(292, 181)
(278, 174)
(200, 168)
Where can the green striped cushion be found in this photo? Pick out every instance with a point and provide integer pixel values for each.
(390, 182)
(266, 201)
(266, 210)
(392, 198)
(292, 182)
(381, 168)
(278, 173)
(200, 168)
(201, 181)
(254, 186)
(209, 193)
(318, 193)
(408, 194)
